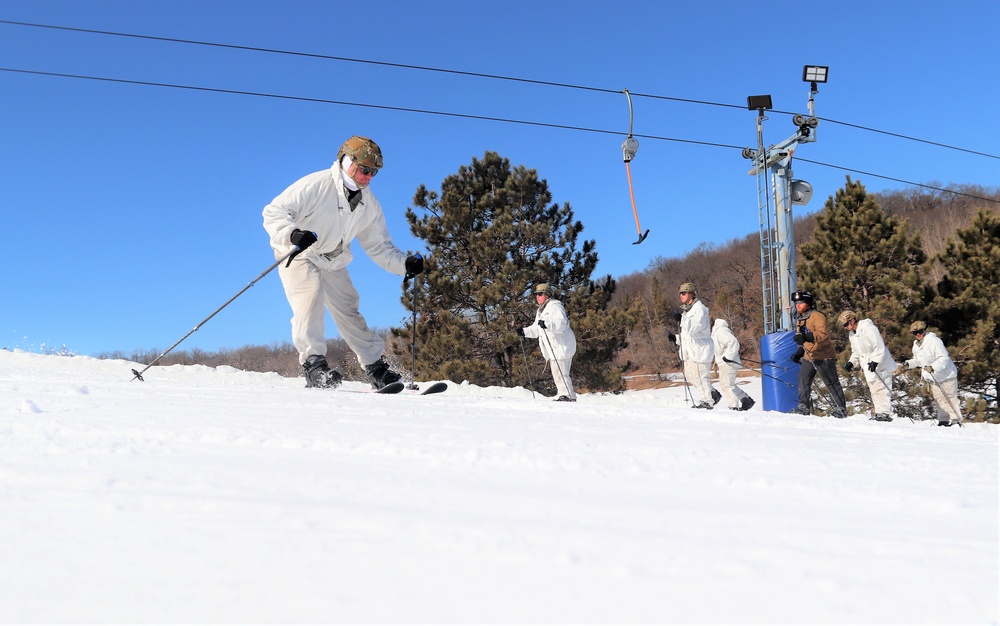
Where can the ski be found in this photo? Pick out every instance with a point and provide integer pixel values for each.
(398, 387)
(435, 388)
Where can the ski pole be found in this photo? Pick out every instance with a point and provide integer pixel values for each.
(413, 338)
(531, 384)
(688, 394)
(554, 359)
(771, 363)
(761, 372)
(138, 374)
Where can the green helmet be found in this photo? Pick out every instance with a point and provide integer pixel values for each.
(362, 151)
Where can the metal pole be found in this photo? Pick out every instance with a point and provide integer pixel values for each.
(138, 374)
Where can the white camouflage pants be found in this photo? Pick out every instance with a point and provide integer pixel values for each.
(310, 291)
(946, 398)
(727, 381)
(699, 376)
(881, 391)
(561, 376)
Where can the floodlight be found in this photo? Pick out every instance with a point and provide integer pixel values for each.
(758, 102)
(815, 73)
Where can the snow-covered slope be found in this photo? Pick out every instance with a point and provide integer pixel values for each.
(218, 495)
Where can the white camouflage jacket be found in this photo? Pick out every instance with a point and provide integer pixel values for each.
(696, 335)
(931, 351)
(867, 346)
(725, 343)
(556, 332)
(317, 202)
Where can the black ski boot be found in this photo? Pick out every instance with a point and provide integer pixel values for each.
(318, 373)
(882, 417)
(716, 396)
(379, 374)
(746, 402)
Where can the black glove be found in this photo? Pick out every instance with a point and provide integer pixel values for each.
(414, 264)
(797, 357)
(872, 366)
(800, 338)
(672, 337)
(541, 323)
(848, 366)
(302, 238)
(677, 315)
(520, 332)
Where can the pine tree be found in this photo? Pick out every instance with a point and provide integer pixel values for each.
(966, 308)
(493, 233)
(866, 260)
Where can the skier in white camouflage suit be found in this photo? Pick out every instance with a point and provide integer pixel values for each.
(555, 339)
(727, 360)
(694, 346)
(869, 354)
(318, 217)
(936, 367)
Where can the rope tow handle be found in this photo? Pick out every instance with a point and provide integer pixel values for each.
(629, 148)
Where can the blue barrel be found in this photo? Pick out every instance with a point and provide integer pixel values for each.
(780, 381)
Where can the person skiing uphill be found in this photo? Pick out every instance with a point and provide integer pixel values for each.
(555, 339)
(868, 352)
(320, 215)
(727, 360)
(936, 367)
(694, 346)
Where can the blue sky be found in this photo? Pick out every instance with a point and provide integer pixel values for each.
(130, 212)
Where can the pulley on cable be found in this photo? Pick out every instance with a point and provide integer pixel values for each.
(629, 148)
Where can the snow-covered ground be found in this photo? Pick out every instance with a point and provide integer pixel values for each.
(215, 495)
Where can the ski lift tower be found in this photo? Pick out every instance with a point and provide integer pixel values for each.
(777, 242)
(777, 245)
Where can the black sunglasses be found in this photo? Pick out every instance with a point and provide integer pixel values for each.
(367, 171)
(684, 293)
(918, 332)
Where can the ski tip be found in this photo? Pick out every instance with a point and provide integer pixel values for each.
(435, 388)
(395, 387)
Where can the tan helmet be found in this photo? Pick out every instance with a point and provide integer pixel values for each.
(543, 288)
(688, 287)
(918, 327)
(847, 317)
(362, 151)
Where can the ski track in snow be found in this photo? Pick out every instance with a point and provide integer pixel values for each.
(218, 495)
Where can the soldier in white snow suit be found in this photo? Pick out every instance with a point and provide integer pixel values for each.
(727, 361)
(868, 352)
(936, 367)
(694, 346)
(555, 339)
(318, 217)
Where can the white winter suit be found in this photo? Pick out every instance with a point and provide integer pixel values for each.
(727, 346)
(318, 276)
(943, 380)
(557, 343)
(696, 350)
(867, 346)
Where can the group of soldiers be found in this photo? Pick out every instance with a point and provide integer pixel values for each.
(816, 354)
